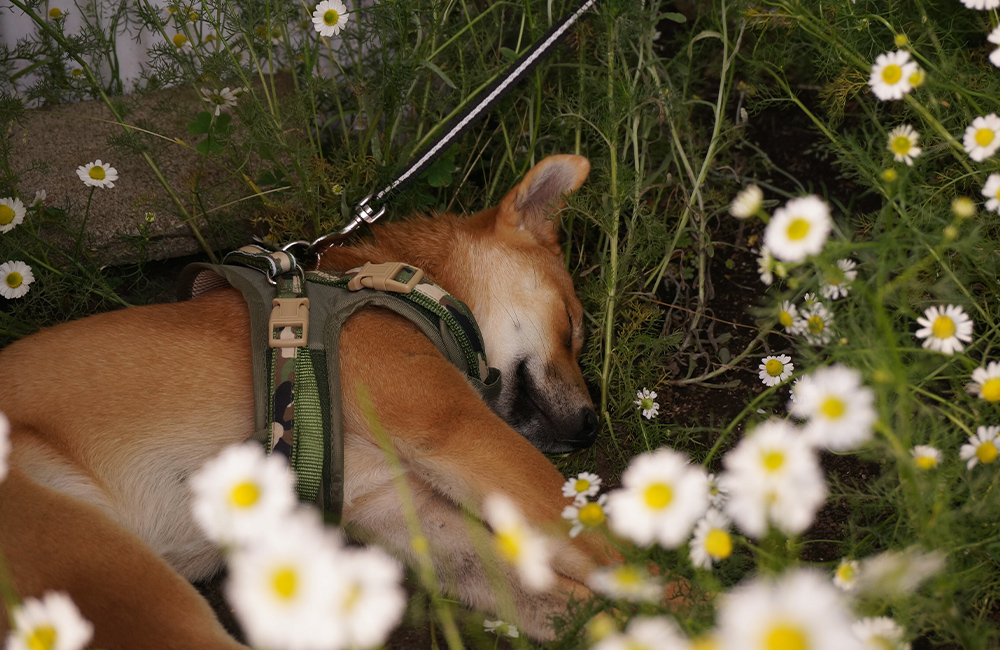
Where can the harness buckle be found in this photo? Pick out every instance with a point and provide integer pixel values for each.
(387, 276)
(289, 312)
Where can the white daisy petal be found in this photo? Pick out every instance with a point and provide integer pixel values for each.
(329, 17)
(982, 137)
(647, 404)
(986, 381)
(926, 457)
(984, 447)
(97, 174)
(945, 329)
(775, 369)
(517, 543)
(52, 622)
(798, 229)
(839, 408)
(627, 582)
(12, 212)
(903, 144)
(711, 541)
(880, 633)
(837, 283)
(747, 202)
(846, 575)
(892, 75)
(15, 279)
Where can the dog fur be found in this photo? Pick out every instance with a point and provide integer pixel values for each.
(112, 414)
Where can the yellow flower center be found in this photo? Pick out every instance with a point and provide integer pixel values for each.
(216, 98)
(892, 73)
(798, 229)
(884, 643)
(581, 485)
(42, 638)
(97, 173)
(285, 582)
(209, 38)
(772, 460)
(917, 79)
(991, 390)
(845, 572)
(509, 542)
(719, 544)
(786, 637)
(245, 494)
(658, 496)
(774, 367)
(943, 327)
(77, 72)
(331, 17)
(628, 575)
(984, 137)
(785, 319)
(592, 514)
(354, 594)
(900, 144)
(646, 403)
(816, 324)
(833, 408)
(180, 40)
(704, 643)
(55, 12)
(14, 279)
(926, 462)
(987, 452)
(6, 214)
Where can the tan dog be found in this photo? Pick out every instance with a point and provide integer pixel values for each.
(111, 414)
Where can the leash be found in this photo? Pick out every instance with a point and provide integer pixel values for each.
(373, 206)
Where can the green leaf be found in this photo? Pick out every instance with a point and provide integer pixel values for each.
(438, 71)
(439, 174)
(508, 53)
(223, 124)
(209, 145)
(201, 124)
(676, 17)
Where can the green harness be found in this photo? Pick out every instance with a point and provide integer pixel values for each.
(295, 322)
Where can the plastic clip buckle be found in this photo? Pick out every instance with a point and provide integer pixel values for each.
(388, 276)
(289, 312)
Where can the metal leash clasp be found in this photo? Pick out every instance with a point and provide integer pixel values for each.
(363, 213)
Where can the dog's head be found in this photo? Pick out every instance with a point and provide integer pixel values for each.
(530, 317)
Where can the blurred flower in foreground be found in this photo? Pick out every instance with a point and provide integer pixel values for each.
(799, 610)
(4, 445)
(846, 575)
(517, 543)
(627, 582)
(370, 599)
(787, 315)
(944, 329)
(925, 456)
(798, 229)
(982, 137)
(747, 202)
(50, 623)
(894, 573)
(773, 475)
(981, 5)
(646, 633)
(661, 497)
(814, 324)
(585, 515)
(880, 633)
(837, 283)
(984, 447)
(839, 409)
(994, 38)
(986, 381)
(501, 628)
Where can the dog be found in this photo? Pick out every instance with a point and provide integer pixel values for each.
(113, 413)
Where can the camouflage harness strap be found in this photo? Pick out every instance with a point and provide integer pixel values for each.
(295, 322)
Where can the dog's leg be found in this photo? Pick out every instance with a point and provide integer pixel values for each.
(52, 541)
(460, 548)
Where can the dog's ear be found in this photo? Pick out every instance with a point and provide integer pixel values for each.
(533, 205)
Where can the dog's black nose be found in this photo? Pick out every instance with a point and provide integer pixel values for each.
(589, 427)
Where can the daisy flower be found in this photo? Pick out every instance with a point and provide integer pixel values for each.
(963, 207)
(329, 17)
(766, 265)
(712, 541)
(986, 381)
(17, 278)
(221, 99)
(925, 456)
(880, 633)
(181, 42)
(501, 628)
(586, 484)
(799, 610)
(895, 573)
(283, 588)
(625, 582)
(798, 229)
(39, 199)
(518, 544)
(4, 445)
(773, 475)
(646, 403)
(644, 633)
(984, 447)
(981, 5)
(747, 202)
(839, 408)
(815, 324)
(994, 38)
(983, 137)
(97, 174)
(718, 492)
(903, 144)
(846, 576)
(11, 213)
(661, 497)
(370, 599)
(241, 492)
(944, 329)
(787, 315)
(585, 515)
(51, 622)
(991, 191)
(836, 284)
(891, 76)
(600, 626)
(774, 370)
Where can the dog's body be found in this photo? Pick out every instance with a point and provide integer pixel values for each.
(112, 414)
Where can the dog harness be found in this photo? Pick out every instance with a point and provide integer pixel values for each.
(295, 322)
